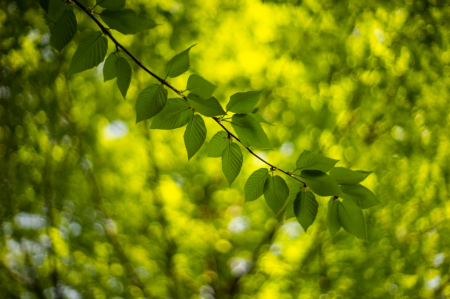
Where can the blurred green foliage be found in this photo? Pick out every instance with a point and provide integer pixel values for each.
(95, 206)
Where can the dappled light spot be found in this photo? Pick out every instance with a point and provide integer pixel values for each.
(240, 266)
(29, 221)
(117, 129)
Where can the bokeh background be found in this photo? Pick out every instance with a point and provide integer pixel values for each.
(93, 205)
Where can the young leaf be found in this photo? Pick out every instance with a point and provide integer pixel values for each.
(243, 102)
(175, 114)
(259, 118)
(218, 144)
(333, 217)
(352, 218)
(344, 176)
(178, 64)
(250, 131)
(254, 186)
(89, 53)
(123, 69)
(150, 102)
(195, 135)
(111, 4)
(312, 161)
(276, 192)
(210, 107)
(359, 194)
(200, 87)
(232, 161)
(305, 208)
(64, 30)
(320, 183)
(126, 21)
(109, 68)
(56, 9)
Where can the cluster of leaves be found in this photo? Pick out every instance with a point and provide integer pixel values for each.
(348, 197)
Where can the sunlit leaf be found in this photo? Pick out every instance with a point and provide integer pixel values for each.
(110, 68)
(250, 131)
(195, 135)
(232, 162)
(218, 144)
(359, 194)
(123, 69)
(276, 192)
(111, 4)
(210, 107)
(89, 53)
(320, 183)
(150, 102)
(312, 161)
(200, 87)
(254, 186)
(305, 208)
(178, 64)
(176, 114)
(56, 9)
(351, 218)
(259, 118)
(345, 176)
(64, 30)
(126, 21)
(333, 216)
(243, 102)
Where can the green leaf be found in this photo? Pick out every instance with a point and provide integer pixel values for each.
(175, 114)
(218, 144)
(290, 211)
(64, 30)
(232, 162)
(200, 87)
(178, 64)
(352, 218)
(243, 102)
(111, 4)
(89, 53)
(359, 194)
(344, 176)
(320, 183)
(44, 4)
(333, 217)
(56, 9)
(123, 75)
(259, 118)
(305, 208)
(276, 192)
(126, 21)
(250, 131)
(254, 186)
(109, 68)
(195, 135)
(210, 107)
(150, 102)
(312, 161)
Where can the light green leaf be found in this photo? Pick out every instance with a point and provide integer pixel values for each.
(232, 162)
(150, 102)
(359, 194)
(178, 64)
(312, 161)
(352, 218)
(259, 118)
(123, 75)
(218, 144)
(254, 186)
(276, 192)
(210, 107)
(250, 131)
(175, 114)
(243, 102)
(320, 183)
(111, 4)
(89, 53)
(64, 30)
(56, 9)
(195, 135)
(200, 87)
(344, 176)
(109, 68)
(290, 211)
(305, 208)
(126, 21)
(333, 217)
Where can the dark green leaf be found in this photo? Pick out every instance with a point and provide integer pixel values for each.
(44, 4)
(359, 194)
(195, 135)
(259, 118)
(305, 208)
(123, 75)
(64, 30)
(150, 102)
(109, 68)
(243, 102)
(333, 217)
(290, 211)
(250, 131)
(56, 9)
(232, 162)
(175, 114)
(254, 186)
(111, 4)
(312, 161)
(200, 87)
(320, 183)
(210, 107)
(352, 218)
(344, 176)
(178, 64)
(126, 21)
(218, 144)
(276, 192)
(89, 53)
